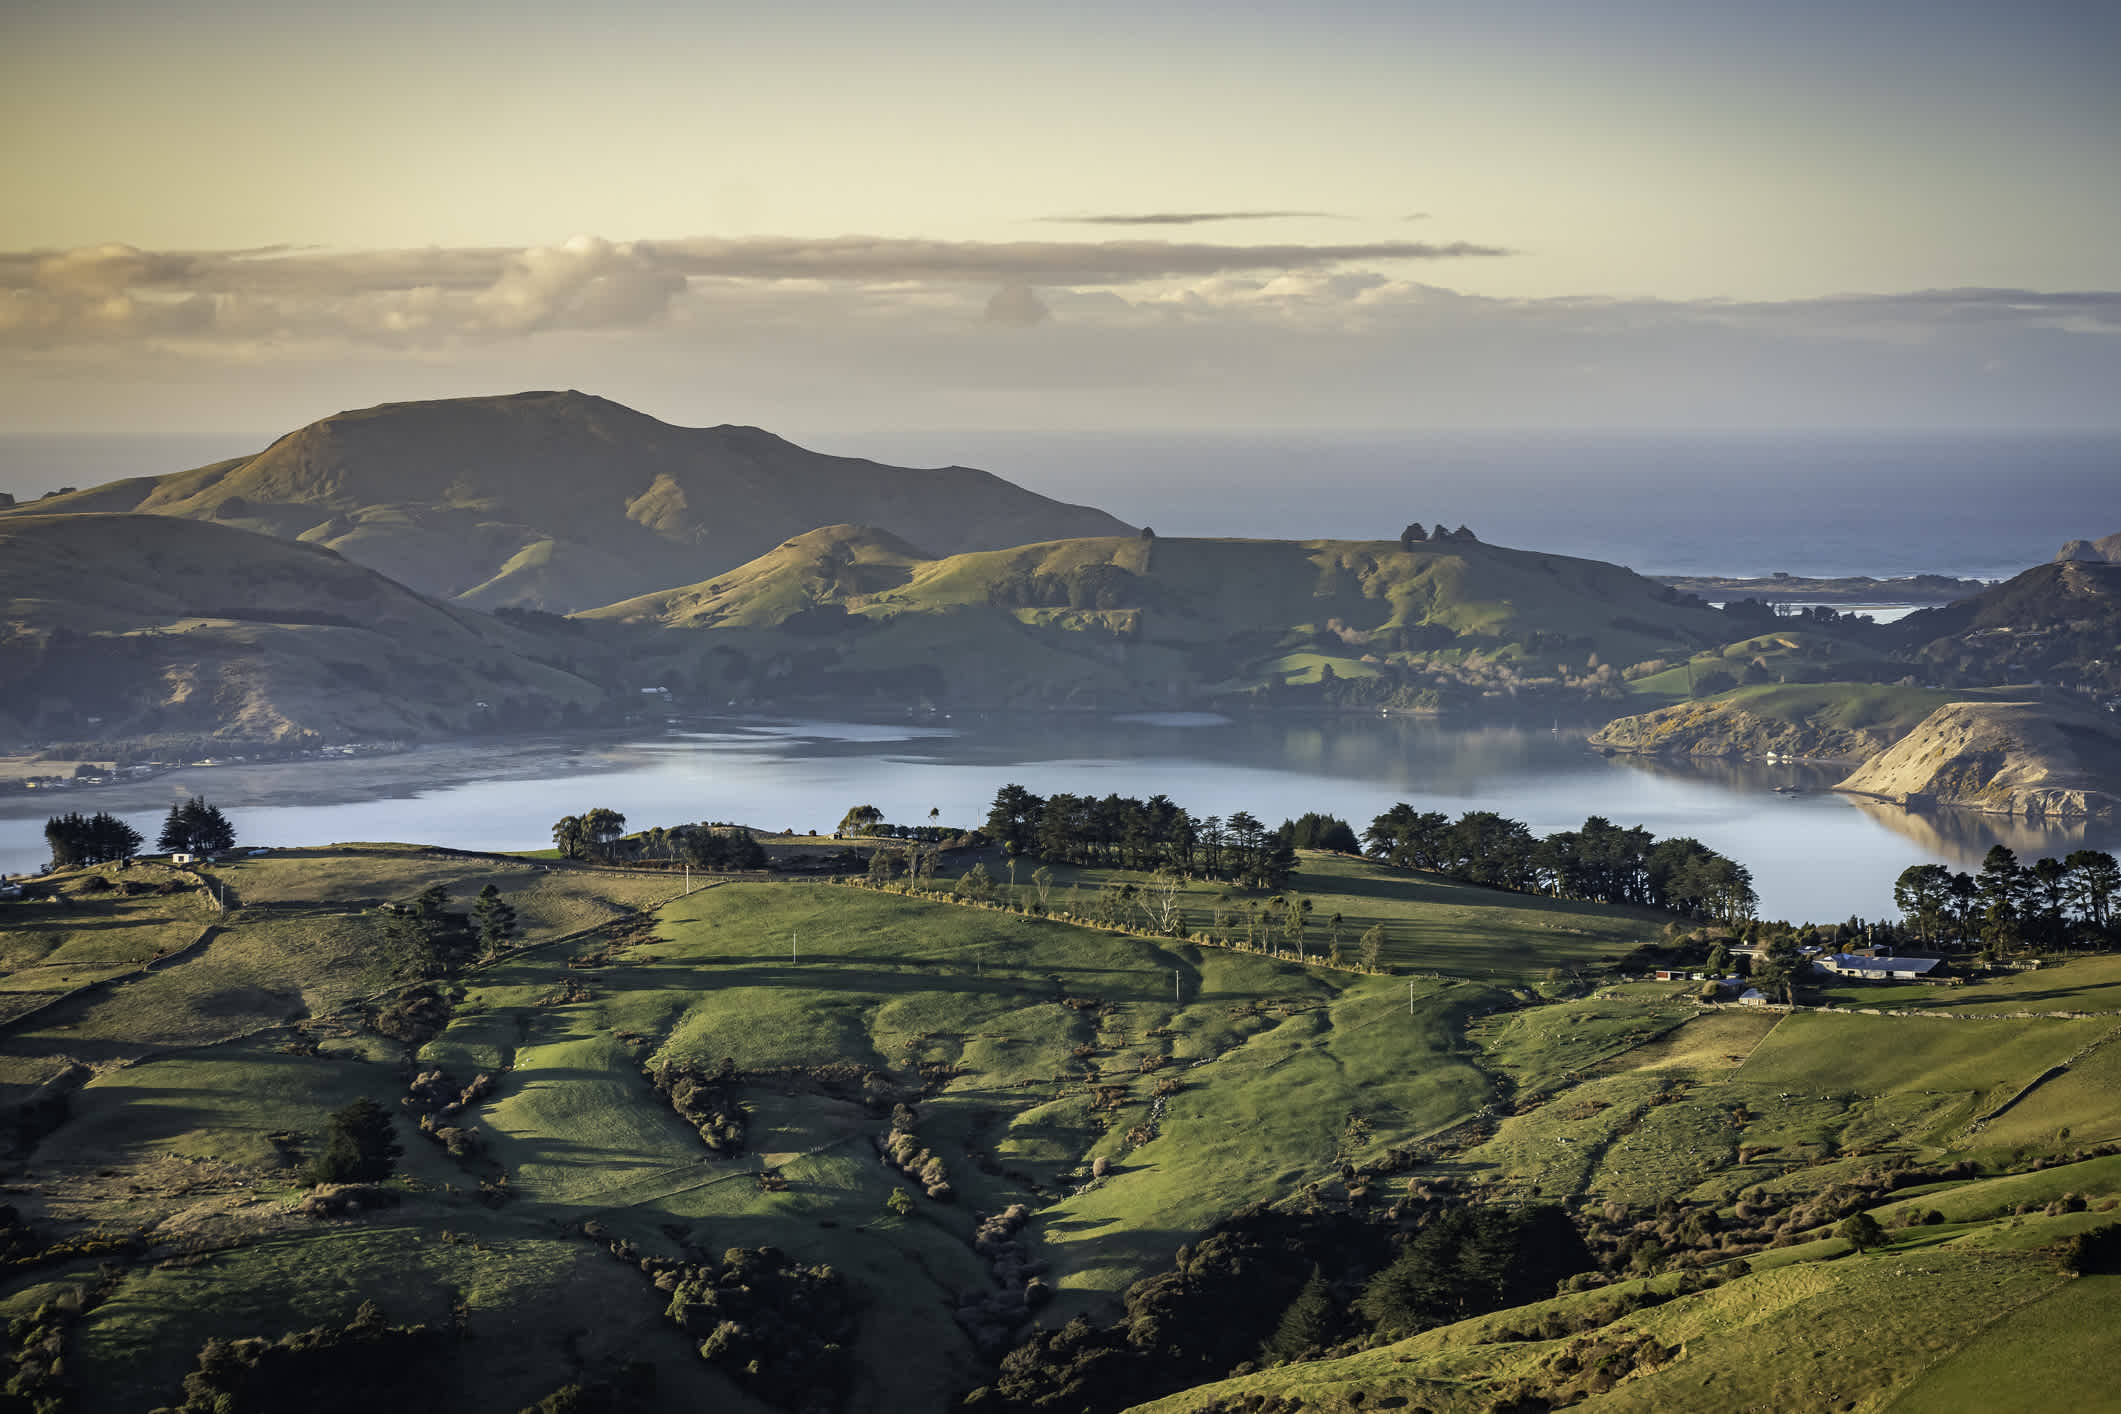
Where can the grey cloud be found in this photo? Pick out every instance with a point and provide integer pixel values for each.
(1017, 306)
(1187, 218)
(117, 293)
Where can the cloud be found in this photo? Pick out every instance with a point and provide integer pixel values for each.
(1137, 329)
(433, 296)
(1017, 306)
(1188, 218)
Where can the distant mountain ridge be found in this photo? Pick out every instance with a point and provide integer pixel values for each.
(565, 501)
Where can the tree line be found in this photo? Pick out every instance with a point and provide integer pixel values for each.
(1601, 862)
(76, 840)
(2050, 903)
(1125, 833)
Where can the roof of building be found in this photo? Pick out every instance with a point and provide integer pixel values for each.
(1888, 965)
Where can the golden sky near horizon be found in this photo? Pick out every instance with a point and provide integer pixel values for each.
(482, 192)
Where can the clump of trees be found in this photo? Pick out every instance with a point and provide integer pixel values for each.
(902, 1149)
(197, 828)
(2049, 904)
(777, 1327)
(706, 1100)
(1287, 1286)
(1601, 862)
(588, 835)
(1122, 832)
(599, 836)
(366, 1365)
(360, 1146)
(76, 839)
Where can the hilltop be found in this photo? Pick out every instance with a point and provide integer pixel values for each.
(1106, 620)
(2106, 548)
(134, 625)
(564, 501)
(2057, 623)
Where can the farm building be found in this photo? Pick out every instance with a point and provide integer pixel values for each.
(1880, 969)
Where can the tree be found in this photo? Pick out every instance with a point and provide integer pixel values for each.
(195, 826)
(1861, 1232)
(1922, 893)
(496, 918)
(568, 838)
(1333, 953)
(861, 820)
(361, 1146)
(975, 883)
(2095, 880)
(601, 828)
(899, 1201)
(1413, 535)
(1776, 966)
(1307, 1326)
(1373, 948)
(2002, 889)
(882, 866)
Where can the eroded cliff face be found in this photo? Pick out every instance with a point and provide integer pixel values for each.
(2009, 759)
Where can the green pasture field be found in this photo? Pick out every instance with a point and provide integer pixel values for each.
(2077, 984)
(1207, 1078)
(1432, 924)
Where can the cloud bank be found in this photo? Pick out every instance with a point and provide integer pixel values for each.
(1024, 333)
(1187, 218)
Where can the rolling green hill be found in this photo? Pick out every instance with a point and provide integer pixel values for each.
(1049, 1069)
(1111, 620)
(563, 501)
(117, 626)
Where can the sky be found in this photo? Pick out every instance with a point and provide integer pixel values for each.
(831, 219)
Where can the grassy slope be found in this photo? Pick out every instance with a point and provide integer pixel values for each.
(1272, 1060)
(1185, 614)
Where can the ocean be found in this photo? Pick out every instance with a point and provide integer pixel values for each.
(1977, 506)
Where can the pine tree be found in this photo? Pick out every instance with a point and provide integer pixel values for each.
(176, 835)
(1307, 1326)
(496, 918)
(361, 1148)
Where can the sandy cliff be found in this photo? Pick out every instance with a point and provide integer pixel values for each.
(2010, 759)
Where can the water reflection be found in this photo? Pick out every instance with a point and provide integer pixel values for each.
(1813, 854)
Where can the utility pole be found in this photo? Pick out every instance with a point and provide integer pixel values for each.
(791, 945)
(1410, 996)
(1174, 987)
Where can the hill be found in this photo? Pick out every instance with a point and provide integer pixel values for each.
(564, 501)
(1112, 620)
(2009, 758)
(130, 626)
(2057, 623)
(771, 1145)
